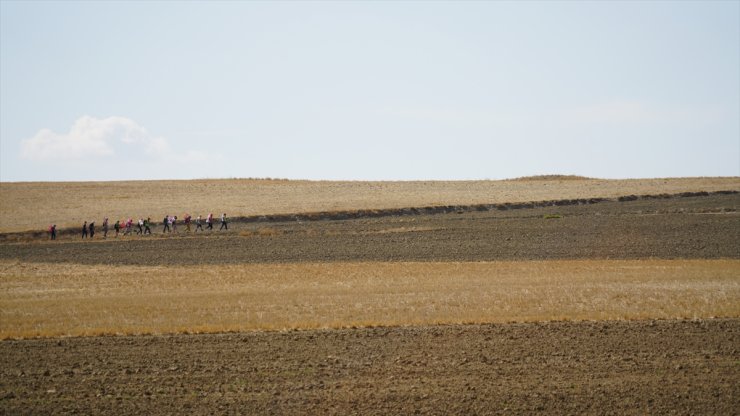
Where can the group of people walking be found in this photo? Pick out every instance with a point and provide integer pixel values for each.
(170, 223)
(144, 226)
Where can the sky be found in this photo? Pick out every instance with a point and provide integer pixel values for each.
(368, 90)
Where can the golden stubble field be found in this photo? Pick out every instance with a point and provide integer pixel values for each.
(49, 300)
(33, 206)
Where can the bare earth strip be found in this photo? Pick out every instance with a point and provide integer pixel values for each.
(33, 206)
(50, 300)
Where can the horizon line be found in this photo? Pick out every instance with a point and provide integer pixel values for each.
(546, 177)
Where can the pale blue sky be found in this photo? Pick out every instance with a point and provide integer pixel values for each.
(368, 90)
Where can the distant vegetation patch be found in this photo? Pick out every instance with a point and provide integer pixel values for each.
(553, 178)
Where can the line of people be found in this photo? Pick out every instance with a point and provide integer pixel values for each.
(170, 223)
(144, 226)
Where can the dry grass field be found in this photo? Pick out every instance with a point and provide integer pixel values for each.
(49, 300)
(33, 206)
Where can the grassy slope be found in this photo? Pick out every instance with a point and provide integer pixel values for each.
(32, 206)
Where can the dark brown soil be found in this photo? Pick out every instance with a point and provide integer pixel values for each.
(690, 227)
(647, 367)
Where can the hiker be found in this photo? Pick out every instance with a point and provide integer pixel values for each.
(141, 226)
(129, 225)
(117, 227)
(166, 222)
(105, 227)
(174, 224)
(187, 222)
(209, 221)
(53, 231)
(223, 222)
(84, 230)
(147, 221)
(92, 229)
(198, 225)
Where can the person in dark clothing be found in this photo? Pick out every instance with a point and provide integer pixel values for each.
(198, 225)
(92, 229)
(147, 230)
(105, 227)
(224, 224)
(117, 227)
(84, 230)
(53, 231)
(166, 222)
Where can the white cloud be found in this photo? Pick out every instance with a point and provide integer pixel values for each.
(109, 137)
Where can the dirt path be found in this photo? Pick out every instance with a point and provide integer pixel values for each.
(697, 227)
(645, 367)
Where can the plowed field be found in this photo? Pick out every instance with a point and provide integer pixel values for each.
(608, 269)
(647, 367)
